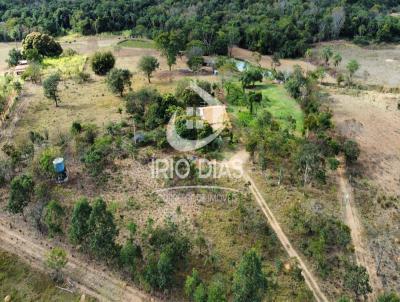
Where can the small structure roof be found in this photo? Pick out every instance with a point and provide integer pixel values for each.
(216, 116)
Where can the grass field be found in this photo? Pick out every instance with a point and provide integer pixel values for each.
(24, 284)
(65, 65)
(138, 43)
(278, 102)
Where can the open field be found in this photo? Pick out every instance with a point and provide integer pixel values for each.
(379, 65)
(25, 284)
(372, 119)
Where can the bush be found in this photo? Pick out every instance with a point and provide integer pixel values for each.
(351, 151)
(118, 80)
(81, 77)
(43, 43)
(14, 56)
(102, 62)
(20, 193)
(43, 167)
(33, 73)
(53, 217)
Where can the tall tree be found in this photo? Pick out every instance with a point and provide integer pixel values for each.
(170, 43)
(148, 64)
(357, 280)
(249, 281)
(102, 231)
(20, 193)
(118, 80)
(53, 217)
(50, 87)
(352, 68)
(79, 227)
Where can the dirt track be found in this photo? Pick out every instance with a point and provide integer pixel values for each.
(86, 277)
(240, 159)
(363, 255)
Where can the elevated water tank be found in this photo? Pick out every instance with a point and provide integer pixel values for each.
(58, 164)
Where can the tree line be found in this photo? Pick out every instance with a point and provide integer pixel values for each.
(286, 27)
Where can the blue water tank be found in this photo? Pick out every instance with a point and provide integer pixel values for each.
(58, 164)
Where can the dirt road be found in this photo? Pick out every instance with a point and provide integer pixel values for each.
(363, 254)
(86, 277)
(238, 162)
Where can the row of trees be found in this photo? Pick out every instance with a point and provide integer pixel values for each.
(286, 27)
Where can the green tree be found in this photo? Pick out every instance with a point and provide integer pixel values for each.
(250, 77)
(200, 294)
(337, 59)
(50, 87)
(33, 56)
(216, 291)
(102, 62)
(129, 256)
(118, 80)
(249, 281)
(53, 217)
(148, 64)
(20, 193)
(195, 63)
(254, 98)
(356, 279)
(352, 68)
(102, 231)
(33, 73)
(43, 43)
(191, 283)
(170, 43)
(165, 268)
(14, 56)
(56, 260)
(79, 227)
(327, 53)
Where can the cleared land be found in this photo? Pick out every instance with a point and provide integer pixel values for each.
(371, 118)
(379, 65)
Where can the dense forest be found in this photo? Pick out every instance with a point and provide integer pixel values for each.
(286, 27)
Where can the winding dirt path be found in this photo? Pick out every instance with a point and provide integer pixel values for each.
(362, 252)
(238, 162)
(86, 277)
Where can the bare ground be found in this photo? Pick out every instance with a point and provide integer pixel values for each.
(372, 119)
(351, 217)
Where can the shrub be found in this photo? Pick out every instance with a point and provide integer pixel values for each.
(118, 80)
(81, 77)
(351, 151)
(53, 217)
(20, 193)
(14, 56)
(102, 62)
